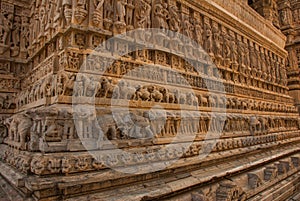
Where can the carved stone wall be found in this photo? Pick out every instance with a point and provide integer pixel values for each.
(46, 43)
(289, 23)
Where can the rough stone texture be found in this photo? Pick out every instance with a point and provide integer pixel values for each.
(289, 25)
(46, 64)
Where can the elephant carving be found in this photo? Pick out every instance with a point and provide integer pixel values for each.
(19, 129)
(126, 91)
(143, 94)
(191, 99)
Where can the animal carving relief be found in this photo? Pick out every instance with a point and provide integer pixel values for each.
(19, 130)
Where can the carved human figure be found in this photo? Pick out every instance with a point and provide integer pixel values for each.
(36, 25)
(142, 16)
(5, 27)
(233, 48)
(225, 44)
(247, 54)
(207, 38)
(199, 31)
(174, 22)
(79, 89)
(187, 27)
(24, 43)
(216, 40)
(120, 10)
(241, 53)
(129, 13)
(108, 9)
(257, 52)
(16, 31)
(43, 20)
(253, 58)
(160, 14)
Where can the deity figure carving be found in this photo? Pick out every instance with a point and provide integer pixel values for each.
(6, 25)
(25, 35)
(16, 28)
(241, 54)
(142, 17)
(233, 48)
(108, 9)
(199, 30)
(247, 56)
(129, 14)
(283, 76)
(259, 61)
(263, 63)
(253, 59)
(277, 69)
(188, 28)
(120, 11)
(226, 46)
(161, 15)
(119, 17)
(42, 15)
(207, 36)
(78, 89)
(216, 40)
(174, 22)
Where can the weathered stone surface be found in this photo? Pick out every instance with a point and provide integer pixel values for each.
(87, 114)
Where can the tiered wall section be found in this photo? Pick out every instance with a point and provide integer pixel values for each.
(44, 140)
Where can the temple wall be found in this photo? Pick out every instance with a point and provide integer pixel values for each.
(231, 99)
